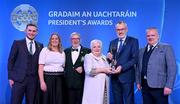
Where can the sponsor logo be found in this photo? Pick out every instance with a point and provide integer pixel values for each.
(23, 15)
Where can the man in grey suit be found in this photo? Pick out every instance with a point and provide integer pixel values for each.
(156, 69)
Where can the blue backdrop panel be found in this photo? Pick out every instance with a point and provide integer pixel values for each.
(139, 15)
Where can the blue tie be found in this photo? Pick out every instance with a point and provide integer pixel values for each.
(120, 45)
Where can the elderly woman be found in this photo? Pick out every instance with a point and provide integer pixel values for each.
(96, 80)
(51, 70)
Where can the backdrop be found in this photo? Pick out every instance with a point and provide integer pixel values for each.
(93, 19)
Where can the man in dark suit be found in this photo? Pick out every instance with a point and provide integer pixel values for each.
(23, 66)
(74, 70)
(156, 70)
(123, 52)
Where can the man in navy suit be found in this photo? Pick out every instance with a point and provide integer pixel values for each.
(23, 66)
(156, 70)
(74, 70)
(123, 52)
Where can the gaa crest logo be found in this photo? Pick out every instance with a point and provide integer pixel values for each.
(23, 15)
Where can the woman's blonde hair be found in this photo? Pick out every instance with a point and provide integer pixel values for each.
(60, 49)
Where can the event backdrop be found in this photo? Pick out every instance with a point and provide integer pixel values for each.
(93, 19)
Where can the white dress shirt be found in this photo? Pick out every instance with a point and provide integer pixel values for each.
(75, 54)
(123, 40)
(150, 46)
(28, 45)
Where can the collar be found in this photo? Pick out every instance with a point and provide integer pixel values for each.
(153, 45)
(79, 47)
(123, 39)
(28, 40)
(97, 58)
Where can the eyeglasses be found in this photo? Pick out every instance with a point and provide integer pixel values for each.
(75, 38)
(122, 29)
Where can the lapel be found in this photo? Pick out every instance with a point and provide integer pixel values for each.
(38, 47)
(141, 53)
(69, 55)
(124, 44)
(113, 47)
(80, 56)
(25, 46)
(155, 52)
(116, 44)
(123, 47)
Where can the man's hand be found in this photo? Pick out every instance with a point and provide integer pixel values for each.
(108, 70)
(167, 91)
(139, 86)
(11, 83)
(117, 70)
(109, 56)
(79, 69)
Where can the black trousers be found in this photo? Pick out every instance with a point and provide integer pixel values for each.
(27, 87)
(153, 95)
(75, 96)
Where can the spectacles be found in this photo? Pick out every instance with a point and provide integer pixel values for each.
(75, 38)
(122, 29)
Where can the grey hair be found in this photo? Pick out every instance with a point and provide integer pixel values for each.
(121, 22)
(75, 33)
(95, 41)
(152, 28)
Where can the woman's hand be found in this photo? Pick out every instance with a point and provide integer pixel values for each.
(43, 86)
(108, 70)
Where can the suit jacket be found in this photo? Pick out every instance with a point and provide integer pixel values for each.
(161, 68)
(18, 59)
(74, 79)
(127, 58)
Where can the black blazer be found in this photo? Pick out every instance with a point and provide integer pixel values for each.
(74, 79)
(18, 60)
(127, 58)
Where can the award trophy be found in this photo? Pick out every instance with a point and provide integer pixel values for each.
(113, 64)
(113, 61)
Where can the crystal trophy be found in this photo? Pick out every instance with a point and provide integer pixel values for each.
(113, 65)
(113, 62)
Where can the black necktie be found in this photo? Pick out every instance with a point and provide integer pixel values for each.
(150, 48)
(74, 50)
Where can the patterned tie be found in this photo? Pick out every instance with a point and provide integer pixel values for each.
(30, 48)
(120, 45)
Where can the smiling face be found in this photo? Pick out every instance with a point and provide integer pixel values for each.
(54, 40)
(75, 40)
(152, 36)
(121, 30)
(31, 32)
(96, 48)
